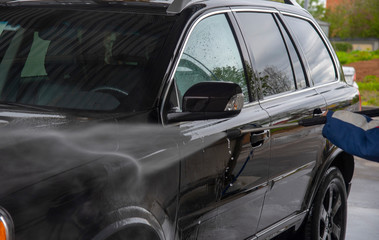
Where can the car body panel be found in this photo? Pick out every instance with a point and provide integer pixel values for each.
(291, 168)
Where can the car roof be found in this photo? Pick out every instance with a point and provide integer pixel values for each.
(171, 7)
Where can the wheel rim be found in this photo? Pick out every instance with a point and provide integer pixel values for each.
(331, 214)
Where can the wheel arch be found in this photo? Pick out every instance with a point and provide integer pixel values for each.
(345, 163)
(339, 159)
(138, 223)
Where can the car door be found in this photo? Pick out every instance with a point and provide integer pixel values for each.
(287, 97)
(223, 176)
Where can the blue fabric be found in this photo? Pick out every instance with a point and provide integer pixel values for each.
(351, 138)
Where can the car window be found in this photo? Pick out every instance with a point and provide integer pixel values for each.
(211, 54)
(296, 63)
(318, 57)
(270, 55)
(80, 60)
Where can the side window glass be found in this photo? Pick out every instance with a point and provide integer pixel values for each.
(211, 54)
(318, 56)
(296, 63)
(269, 52)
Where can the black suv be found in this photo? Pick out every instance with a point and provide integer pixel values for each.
(150, 120)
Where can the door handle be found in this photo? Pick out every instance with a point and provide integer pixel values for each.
(258, 138)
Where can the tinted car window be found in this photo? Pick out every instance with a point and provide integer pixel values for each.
(270, 54)
(211, 54)
(296, 63)
(79, 60)
(318, 56)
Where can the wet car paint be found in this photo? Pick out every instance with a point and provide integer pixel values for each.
(187, 173)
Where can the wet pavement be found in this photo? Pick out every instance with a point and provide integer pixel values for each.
(363, 202)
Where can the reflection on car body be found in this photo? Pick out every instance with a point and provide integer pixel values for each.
(115, 120)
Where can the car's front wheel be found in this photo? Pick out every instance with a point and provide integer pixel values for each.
(329, 212)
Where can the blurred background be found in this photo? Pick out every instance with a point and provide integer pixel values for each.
(353, 29)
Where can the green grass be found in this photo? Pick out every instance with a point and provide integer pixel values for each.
(369, 89)
(356, 56)
(369, 98)
(369, 83)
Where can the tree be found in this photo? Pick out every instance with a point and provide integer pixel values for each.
(354, 19)
(315, 7)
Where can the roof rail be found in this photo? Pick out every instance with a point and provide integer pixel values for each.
(178, 5)
(292, 2)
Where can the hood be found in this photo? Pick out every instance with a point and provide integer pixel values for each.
(36, 146)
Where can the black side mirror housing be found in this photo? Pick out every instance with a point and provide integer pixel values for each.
(210, 100)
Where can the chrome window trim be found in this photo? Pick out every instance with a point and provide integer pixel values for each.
(171, 76)
(324, 39)
(236, 9)
(288, 93)
(254, 9)
(275, 97)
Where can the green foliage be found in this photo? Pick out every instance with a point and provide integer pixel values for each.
(369, 89)
(315, 7)
(356, 56)
(342, 46)
(369, 98)
(375, 54)
(369, 83)
(355, 18)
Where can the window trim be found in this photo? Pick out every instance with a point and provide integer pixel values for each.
(188, 34)
(323, 38)
(298, 51)
(277, 20)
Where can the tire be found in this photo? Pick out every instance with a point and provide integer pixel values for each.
(329, 211)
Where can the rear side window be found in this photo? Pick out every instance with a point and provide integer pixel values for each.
(270, 55)
(318, 57)
(296, 63)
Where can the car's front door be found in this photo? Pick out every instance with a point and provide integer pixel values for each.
(223, 182)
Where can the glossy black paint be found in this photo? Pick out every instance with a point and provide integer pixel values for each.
(92, 175)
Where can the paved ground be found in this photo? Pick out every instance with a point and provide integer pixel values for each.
(363, 202)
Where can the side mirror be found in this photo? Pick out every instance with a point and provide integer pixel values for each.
(210, 100)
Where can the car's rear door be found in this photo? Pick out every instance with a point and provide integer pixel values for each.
(223, 183)
(287, 96)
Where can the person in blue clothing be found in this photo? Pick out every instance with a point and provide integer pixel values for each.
(354, 133)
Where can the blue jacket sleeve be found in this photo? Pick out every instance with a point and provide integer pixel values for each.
(354, 133)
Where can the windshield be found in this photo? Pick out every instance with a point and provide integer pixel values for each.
(83, 60)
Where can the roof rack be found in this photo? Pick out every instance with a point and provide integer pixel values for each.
(292, 2)
(178, 5)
